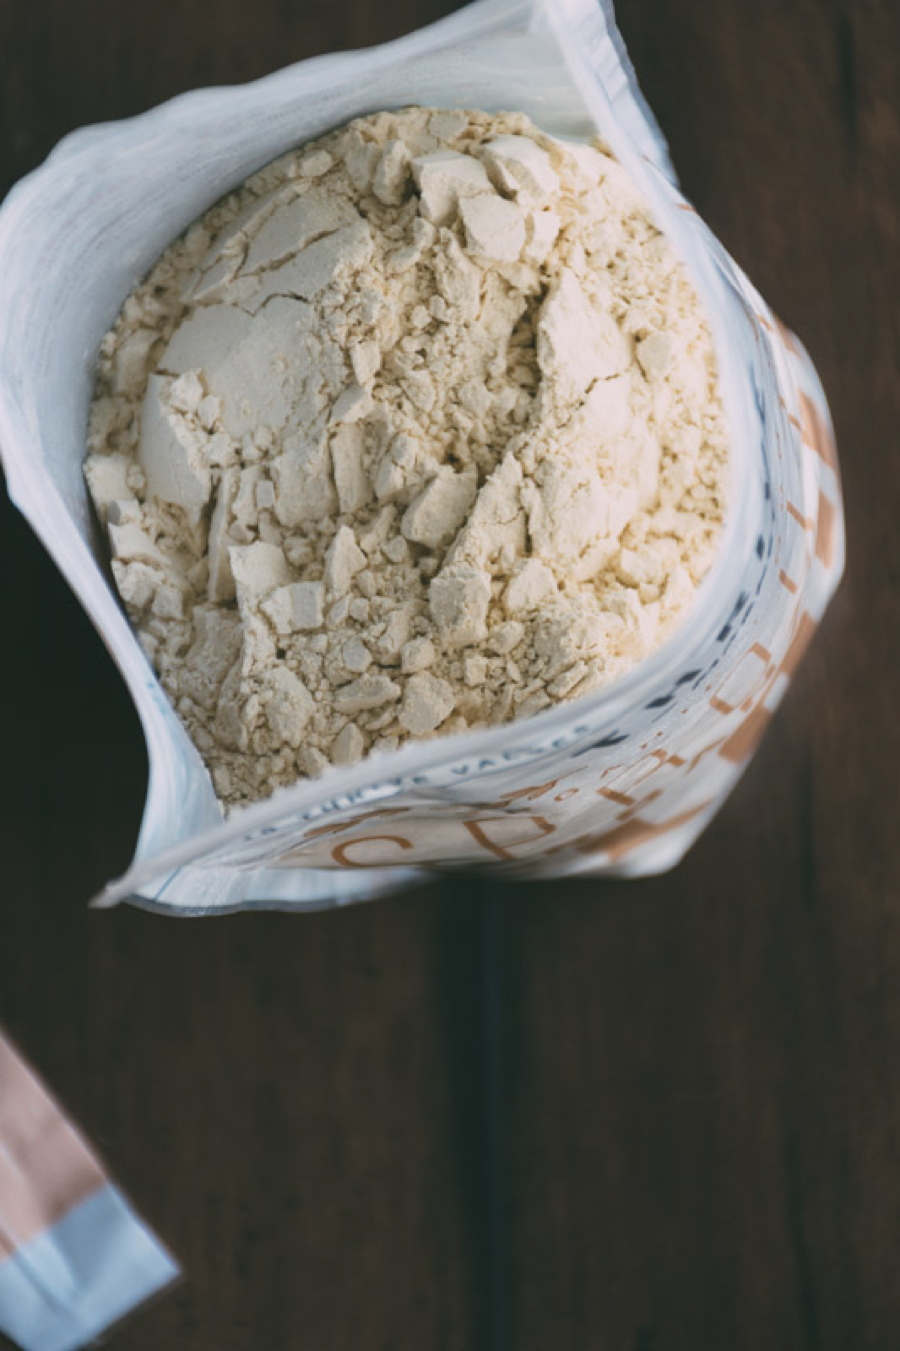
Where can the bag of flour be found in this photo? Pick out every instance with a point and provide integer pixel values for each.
(620, 780)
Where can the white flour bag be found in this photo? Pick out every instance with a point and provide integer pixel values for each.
(619, 781)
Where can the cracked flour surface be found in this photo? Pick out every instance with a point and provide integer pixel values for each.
(417, 431)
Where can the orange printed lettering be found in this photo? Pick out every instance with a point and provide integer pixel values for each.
(339, 853)
(479, 834)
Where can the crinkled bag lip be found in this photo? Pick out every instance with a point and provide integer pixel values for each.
(416, 759)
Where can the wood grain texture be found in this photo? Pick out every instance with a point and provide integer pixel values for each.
(656, 1116)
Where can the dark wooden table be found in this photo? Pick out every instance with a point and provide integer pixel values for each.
(656, 1116)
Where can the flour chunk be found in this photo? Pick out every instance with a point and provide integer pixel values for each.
(296, 608)
(443, 177)
(520, 166)
(290, 705)
(172, 451)
(427, 702)
(495, 228)
(459, 600)
(343, 560)
(434, 517)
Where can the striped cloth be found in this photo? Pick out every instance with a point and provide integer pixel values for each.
(74, 1257)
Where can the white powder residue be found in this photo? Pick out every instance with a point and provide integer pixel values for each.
(418, 431)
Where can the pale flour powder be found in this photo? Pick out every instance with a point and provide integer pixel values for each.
(418, 431)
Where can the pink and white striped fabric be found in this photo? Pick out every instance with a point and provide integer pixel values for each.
(74, 1258)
